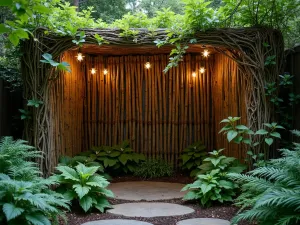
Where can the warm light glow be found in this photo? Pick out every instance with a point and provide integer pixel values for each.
(79, 57)
(202, 70)
(147, 65)
(205, 53)
(93, 71)
(194, 74)
(105, 71)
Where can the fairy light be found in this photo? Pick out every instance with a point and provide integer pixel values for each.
(93, 71)
(147, 65)
(105, 71)
(194, 74)
(205, 53)
(202, 70)
(80, 57)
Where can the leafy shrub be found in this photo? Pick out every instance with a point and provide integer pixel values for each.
(152, 168)
(257, 143)
(272, 192)
(192, 157)
(83, 184)
(212, 184)
(116, 159)
(25, 197)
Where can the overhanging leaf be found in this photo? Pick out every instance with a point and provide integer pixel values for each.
(231, 135)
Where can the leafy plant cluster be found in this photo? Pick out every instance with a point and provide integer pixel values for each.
(271, 194)
(283, 105)
(153, 168)
(212, 183)
(192, 157)
(83, 184)
(257, 143)
(116, 159)
(26, 197)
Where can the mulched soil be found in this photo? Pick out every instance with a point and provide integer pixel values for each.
(77, 217)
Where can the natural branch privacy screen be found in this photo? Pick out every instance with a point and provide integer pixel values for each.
(160, 114)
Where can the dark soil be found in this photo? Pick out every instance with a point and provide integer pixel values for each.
(77, 217)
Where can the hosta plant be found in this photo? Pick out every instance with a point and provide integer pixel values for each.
(212, 183)
(271, 194)
(153, 168)
(192, 157)
(83, 184)
(118, 158)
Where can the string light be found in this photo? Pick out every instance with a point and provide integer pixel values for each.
(202, 70)
(80, 57)
(194, 74)
(147, 65)
(93, 71)
(205, 53)
(105, 71)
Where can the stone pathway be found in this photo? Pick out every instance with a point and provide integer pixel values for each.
(150, 209)
(151, 191)
(203, 221)
(146, 190)
(117, 222)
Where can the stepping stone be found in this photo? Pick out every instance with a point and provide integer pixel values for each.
(146, 190)
(150, 209)
(116, 222)
(203, 221)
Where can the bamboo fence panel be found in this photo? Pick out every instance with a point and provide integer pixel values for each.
(159, 113)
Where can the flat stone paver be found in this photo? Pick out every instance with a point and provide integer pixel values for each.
(150, 209)
(203, 221)
(116, 222)
(146, 190)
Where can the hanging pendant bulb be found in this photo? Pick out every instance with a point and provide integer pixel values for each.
(80, 56)
(105, 71)
(194, 74)
(93, 71)
(202, 70)
(205, 53)
(147, 65)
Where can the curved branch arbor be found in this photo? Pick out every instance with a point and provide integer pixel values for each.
(159, 113)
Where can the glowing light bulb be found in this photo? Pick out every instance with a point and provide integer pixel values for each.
(105, 71)
(202, 70)
(205, 53)
(147, 65)
(93, 71)
(194, 74)
(79, 57)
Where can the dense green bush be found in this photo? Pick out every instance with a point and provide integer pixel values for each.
(25, 197)
(212, 183)
(192, 157)
(272, 192)
(83, 184)
(153, 168)
(116, 159)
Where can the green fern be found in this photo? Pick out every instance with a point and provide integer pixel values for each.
(272, 192)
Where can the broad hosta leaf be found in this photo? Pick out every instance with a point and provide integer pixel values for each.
(69, 195)
(185, 158)
(191, 195)
(231, 135)
(68, 173)
(102, 204)
(109, 162)
(269, 141)
(11, 211)
(261, 132)
(81, 190)
(86, 203)
(124, 158)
